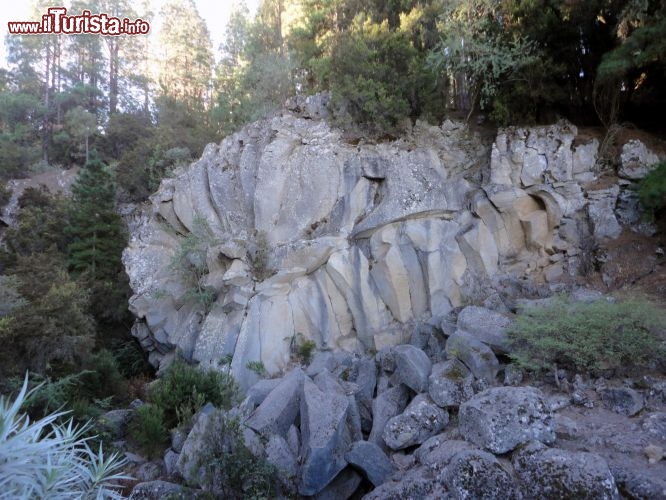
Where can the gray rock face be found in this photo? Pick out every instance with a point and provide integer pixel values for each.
(420, 420)
(502, 418)
(325, 437)
(371, 460)
(636, 160)
(485, 325)
(279, 409)
(412, 367)
(479, 475)
(554, 473)
(156, 490)
(302, 233)
(476, 355)
(450, 383)
(386, 406)
(188, 465)
(623, 400)
(417, 483)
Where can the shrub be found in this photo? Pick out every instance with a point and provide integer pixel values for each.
(44, 459)
(230, 470)
(652, 189)
(589, 336)
(184, 389)
(147, 429)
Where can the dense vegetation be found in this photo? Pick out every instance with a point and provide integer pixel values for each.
(601, 336)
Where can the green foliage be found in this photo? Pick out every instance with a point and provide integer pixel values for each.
(148, 430)
(593, 336)
(230, 470)
(184, 389)
(305, 348)
(257, 367)
(652, 189)
(190, 262)
(479, 53)
(44, 459)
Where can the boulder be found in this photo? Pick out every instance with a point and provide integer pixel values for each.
(115, 422)
(343, 486)
(476, 355)
(485, 325)
(553, 473)
(418, 482)
(636, 160)
(157, 490)
(256, 394)
(386, 406)
(438, 451)
(412, 367)
(623, 400)
(325, 437)
(500, 419)
(420, 420)
(188, 459)
(279, 409)
(279, 454)
(479, 475)
(450, 383)
(371, 461)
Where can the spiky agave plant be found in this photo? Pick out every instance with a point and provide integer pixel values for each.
(48, 460)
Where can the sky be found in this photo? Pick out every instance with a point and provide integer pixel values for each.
(214, 12)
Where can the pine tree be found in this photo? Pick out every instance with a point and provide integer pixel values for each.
(95, 228)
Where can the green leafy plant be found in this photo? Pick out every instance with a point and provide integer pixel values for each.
(589, 337)
(652, 189)
(305, 348)
(229, 469)
(147, 429)
(45, 459)
(184, 389)
(257, 367)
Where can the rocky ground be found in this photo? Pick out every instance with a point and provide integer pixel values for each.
(440, 417)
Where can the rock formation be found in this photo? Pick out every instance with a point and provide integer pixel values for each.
(284, 235)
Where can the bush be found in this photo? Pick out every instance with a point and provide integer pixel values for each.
(230, 470)
(44, 459)
(652, 189)
(589, 336)
(184, 389)
(148, 430)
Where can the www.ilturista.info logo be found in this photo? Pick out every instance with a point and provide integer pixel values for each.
(57, 21)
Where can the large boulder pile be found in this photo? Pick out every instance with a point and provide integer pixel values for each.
(399, 426)
(294, 237)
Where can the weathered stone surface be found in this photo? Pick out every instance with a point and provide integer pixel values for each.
(325, 437)
(344, 486)
(623, 400)
(501, 418)
(115, 422)
(421, 420)
(418, 483)
(450, 383)
(485, 325)
(279, 454)
(479, 475)
(171, 464)
(476, 355)
(188, 459)
(438, 451)
(157, 490)
(371, 460)
(279, 409)
(315, 239)
(554, 473)
(384, 407)
(150, 471)
(636, 160)
(412, 367)
(256, 394)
